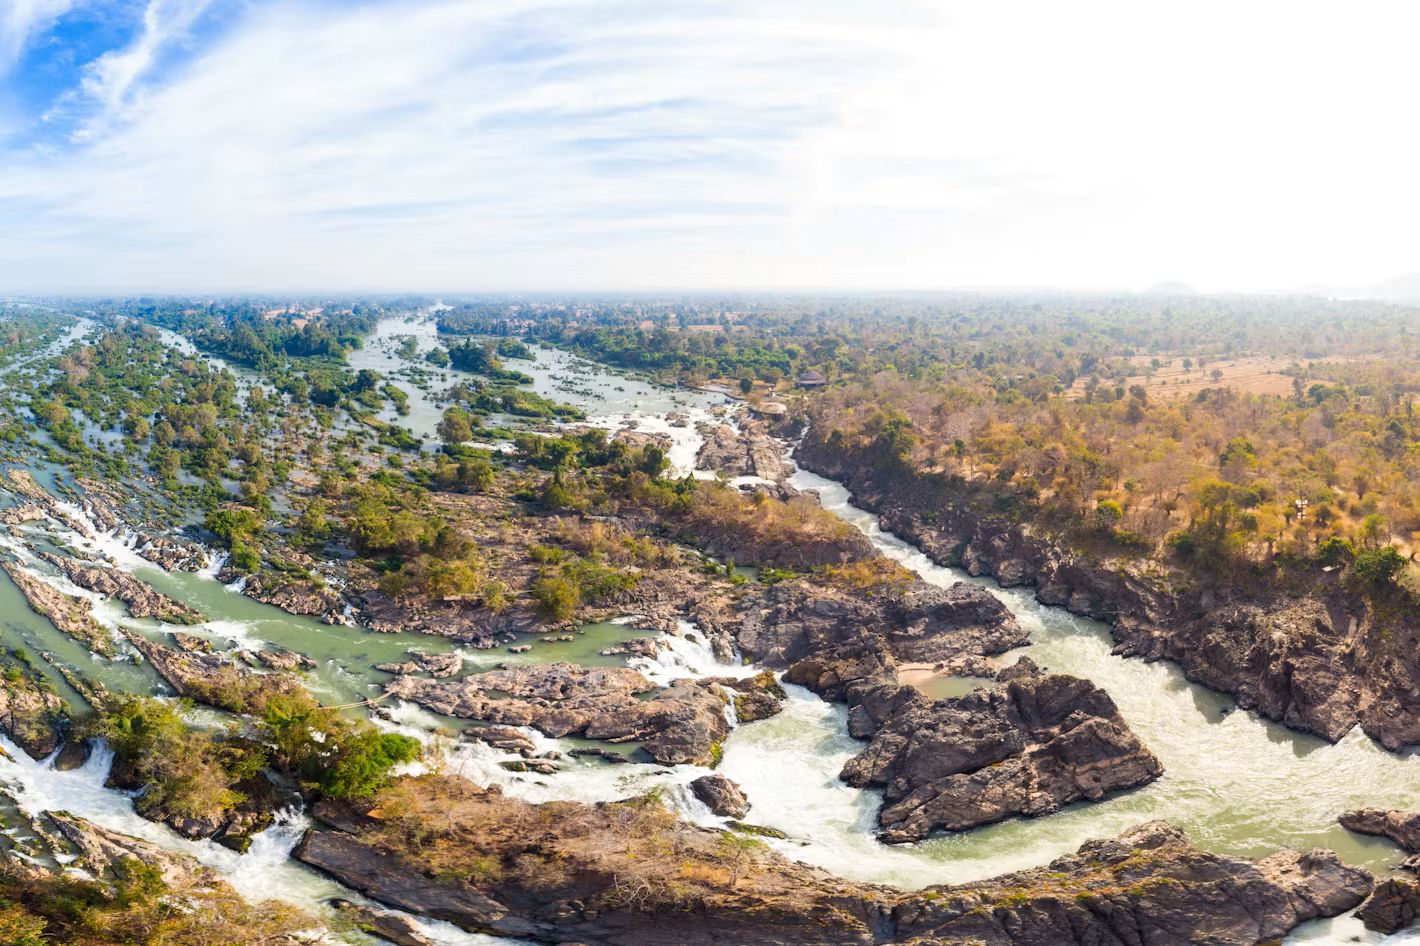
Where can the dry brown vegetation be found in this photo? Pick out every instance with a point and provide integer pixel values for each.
(635, 853)
(1180, 376)
(1225, 470)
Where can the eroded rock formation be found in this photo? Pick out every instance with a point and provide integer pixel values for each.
(578, 873)
(1026, 748)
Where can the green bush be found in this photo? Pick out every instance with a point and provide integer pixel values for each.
(556, 597)
(1378, 566)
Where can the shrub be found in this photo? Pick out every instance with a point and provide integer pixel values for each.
(556, 597)
(1378, 566)
(1335, 550)
(1109, 512)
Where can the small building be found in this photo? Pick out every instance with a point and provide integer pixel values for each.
(811, 379)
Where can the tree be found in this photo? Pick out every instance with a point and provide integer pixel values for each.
(455, 427)
(556, 597)
(1378, 566)
(1372, 530)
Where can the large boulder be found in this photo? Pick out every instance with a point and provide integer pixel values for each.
(1026, 748)
(721, 796)
(1392, 906)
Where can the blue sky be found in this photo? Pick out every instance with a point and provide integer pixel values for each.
(446, 145)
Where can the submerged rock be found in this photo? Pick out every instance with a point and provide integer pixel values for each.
(721, 796)
(1027, 748)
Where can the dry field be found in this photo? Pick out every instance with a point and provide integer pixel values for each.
(1260, 374)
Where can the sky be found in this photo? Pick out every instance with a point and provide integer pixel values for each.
(493, 145)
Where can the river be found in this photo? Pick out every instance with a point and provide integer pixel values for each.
(1236, 783)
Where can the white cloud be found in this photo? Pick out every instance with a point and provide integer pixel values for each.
(111, 78)
(22, 19)
(610, 143)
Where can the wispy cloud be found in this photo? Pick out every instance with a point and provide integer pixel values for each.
(22, 19)
(449, 144)
(112, 77)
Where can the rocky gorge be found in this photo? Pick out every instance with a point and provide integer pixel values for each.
(1034, 744)
(1314, 656)
(625, 874)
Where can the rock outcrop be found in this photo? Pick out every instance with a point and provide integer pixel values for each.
(1401, 827)
(793, 620)
(756, 697)
(296, 596)
(99, 849)
(32, 715)
(1307, 656)
(211, 677)
(751, 452)
(1026, 748)
(141, 600)
(1392, 906)
(582, 873)
(683, 723)
(721, 796)
(71, 615)
(391, 927)
(436, 665)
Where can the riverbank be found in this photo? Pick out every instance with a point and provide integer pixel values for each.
(787, 762)
(1315, 658)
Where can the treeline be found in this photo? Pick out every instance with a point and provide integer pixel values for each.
(1039, 344)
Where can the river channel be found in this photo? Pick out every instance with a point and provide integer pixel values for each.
(1234, 782)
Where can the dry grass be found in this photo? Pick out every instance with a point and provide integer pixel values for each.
(1253, 375)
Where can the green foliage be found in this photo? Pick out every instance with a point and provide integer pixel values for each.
(244, 558)
(1335, 550)
(330, 753)
(1378, 566)
(556, 597)
(185, 772)
(1109, 512)
(363, 760)
(233, 525)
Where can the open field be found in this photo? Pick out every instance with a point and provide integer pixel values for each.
(1260, 374)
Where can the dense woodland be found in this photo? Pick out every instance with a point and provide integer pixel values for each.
(1213, 429)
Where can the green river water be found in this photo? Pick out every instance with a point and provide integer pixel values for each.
(1236, 783)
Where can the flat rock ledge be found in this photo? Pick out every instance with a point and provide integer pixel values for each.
(1149, 885)
(684, 723)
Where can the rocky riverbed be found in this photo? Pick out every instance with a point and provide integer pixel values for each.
(567, 872)
(1314, 659)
